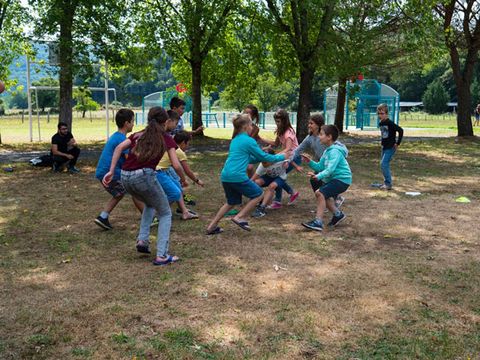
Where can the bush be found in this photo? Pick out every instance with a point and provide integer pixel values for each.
(435, 98)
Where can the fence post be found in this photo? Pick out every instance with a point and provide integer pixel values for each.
(224, 120)
(48, 116)
(23, 115)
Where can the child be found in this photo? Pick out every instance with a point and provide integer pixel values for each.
(139, 179)
(271, 176)
(477, 116)
(336, 175)
(178, 105)
(124, 119)
(182, 138)
(312, 143)
(234, 177)
(287, 139)
(170, 174)
(388, 130)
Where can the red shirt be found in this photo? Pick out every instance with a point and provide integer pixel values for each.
(132, 162)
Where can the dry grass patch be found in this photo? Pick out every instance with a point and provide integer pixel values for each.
(398, 280)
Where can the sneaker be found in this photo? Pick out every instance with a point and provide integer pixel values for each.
(179, 212)
(375, 185)
(339, 201)
(275, 205)
(385, 187)
(259, 212)
(337, 219)
(73, 170)
(293, 198)
(314, 225)
(103, 223)
(232, 212)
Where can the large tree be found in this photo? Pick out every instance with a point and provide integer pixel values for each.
(306, 24)
(188, 30)
(461, 26)
(86, 31)
(12, 41)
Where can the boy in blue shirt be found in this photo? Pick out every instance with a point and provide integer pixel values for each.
(125, 121)
(333, 170)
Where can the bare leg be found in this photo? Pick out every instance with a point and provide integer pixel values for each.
(185, 213)
(331, 205)
(247, 209)
(112, 203)
(220, 214)
(269, 193)
(321, 204)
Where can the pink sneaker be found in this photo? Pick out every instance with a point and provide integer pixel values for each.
(275, 205)
(293, 198)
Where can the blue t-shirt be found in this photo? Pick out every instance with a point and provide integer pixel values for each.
(105, 160)
(180, 127)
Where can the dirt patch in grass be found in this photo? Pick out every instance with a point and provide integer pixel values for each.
(397, 280)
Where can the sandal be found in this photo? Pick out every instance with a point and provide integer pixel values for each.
(190, 216)
(168, 260)
(142, 248)
(243, 224)
(215, 231)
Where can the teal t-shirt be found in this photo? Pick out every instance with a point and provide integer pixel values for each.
(243, 150)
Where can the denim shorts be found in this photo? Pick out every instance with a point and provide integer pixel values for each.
(235, 190)
(333, 188)
(267, 180)
(115, 188)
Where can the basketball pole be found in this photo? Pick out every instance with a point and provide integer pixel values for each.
(29, 99)
(106, 100)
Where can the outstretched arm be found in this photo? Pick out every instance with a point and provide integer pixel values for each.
(116, 156)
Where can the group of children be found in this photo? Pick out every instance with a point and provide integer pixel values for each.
(151, 165)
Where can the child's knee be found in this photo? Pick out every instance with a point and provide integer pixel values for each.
(273, 186)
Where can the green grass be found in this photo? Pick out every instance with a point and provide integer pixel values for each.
(397, 280)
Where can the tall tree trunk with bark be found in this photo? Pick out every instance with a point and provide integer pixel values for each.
(463, 80)
(341, 98)
(196, 93)
(66, 65)
(304, 102)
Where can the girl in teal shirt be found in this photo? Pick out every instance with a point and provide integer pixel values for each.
(243, 150)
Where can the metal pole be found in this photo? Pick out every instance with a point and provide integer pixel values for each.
(29, 99)
(38, 115)
(106, 100)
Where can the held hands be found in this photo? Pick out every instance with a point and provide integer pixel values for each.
(107, 178)
(306, 158)
(311, 175)
(200, 182)
(184, 183)
(69, 156)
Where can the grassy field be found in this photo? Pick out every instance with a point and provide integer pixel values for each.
(397, 280)
(13, 131)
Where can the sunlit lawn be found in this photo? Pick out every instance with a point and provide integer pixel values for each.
(397, 280)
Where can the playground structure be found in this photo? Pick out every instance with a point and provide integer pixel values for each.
(365, 95)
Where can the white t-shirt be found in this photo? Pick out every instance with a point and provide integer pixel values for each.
(273, 171)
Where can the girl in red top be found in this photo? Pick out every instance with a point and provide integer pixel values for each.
(139, 179)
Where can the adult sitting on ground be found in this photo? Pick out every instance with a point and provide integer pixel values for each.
(65, 151)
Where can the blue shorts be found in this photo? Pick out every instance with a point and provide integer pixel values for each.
(267, 180)
(170, 186)
(235, 190)
(333, 188)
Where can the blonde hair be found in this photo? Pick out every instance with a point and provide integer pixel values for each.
(239, 122)
(383, 107)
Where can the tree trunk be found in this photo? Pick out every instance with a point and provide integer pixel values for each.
(341, 98)
(464, 114)
(304, 102)
(66, 65)
(196, 94)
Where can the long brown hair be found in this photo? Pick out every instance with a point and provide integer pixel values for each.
(239, 122)
(284, 124)
(151, 144)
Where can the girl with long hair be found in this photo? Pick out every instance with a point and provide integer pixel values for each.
(139, 179)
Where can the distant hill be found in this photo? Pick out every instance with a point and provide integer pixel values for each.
(18, 68)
